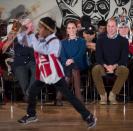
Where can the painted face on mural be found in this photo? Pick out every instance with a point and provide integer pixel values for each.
(67, 8)
(121, 2)
(70, 2)
(130, 13)
(96, 9)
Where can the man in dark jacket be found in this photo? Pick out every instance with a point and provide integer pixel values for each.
(111, 57)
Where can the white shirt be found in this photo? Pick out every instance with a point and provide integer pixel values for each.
(40, 46)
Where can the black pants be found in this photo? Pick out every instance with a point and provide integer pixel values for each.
(61, 86)
(25, 74)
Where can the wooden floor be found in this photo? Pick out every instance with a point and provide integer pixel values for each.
(53, 118)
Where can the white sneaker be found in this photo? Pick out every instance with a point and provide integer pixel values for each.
(112, 98)
(103, 100)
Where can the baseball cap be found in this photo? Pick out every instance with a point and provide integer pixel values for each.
(90, 30)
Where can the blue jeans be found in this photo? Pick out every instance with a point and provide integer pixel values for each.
(25, 74)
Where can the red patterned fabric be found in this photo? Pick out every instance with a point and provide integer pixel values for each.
(57, 66)
(131, 48)
(1, 44)
(48, 68)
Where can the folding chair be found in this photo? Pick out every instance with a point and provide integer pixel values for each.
(109, 80)
(2, 88)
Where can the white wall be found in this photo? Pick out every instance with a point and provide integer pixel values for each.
(38, 8)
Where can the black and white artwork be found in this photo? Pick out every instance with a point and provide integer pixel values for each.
(67, 8)
(96, 9)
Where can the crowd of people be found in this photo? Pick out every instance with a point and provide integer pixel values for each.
(54, 58)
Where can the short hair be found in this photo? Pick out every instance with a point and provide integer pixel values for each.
(71, 21)
(112, 19)
(102, 23)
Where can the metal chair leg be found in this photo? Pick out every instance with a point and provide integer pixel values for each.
(124, 93)
(2, 88)
(41, 99)
(12, 99)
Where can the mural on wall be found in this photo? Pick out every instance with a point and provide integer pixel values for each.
(130, 13)
(96, 9)
(66, 11)
(63, 10)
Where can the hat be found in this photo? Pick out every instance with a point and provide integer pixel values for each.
(102, 23)
(9, 28)
(123, 24)
(90, 30)
(48, 23)
(10, 25)
(85, 21)
(13, 26)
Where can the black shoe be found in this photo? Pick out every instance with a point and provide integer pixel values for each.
(58, 103)
(91, 121)
(25, 98)
(28, 119)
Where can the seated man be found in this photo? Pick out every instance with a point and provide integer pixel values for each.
(101, 28)
(89, 34)
(124, 30)
(111, 57)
